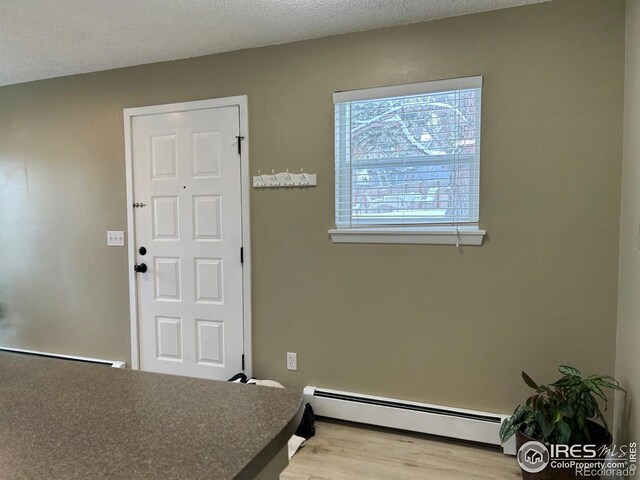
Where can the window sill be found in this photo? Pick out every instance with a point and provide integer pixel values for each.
(417, 236)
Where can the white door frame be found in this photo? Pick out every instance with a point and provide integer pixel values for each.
(242, 103)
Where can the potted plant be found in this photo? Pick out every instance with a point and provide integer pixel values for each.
(565, 412)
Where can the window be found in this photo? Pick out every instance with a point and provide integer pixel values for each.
(408, 161)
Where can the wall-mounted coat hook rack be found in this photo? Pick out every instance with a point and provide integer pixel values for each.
(285, 180)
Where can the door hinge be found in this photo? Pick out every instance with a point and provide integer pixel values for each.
(241, 254)
(243, 362)
(240, 138)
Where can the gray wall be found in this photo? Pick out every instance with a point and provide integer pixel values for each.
(627, 360)
(428, 323)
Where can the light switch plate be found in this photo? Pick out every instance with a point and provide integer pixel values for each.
(115, 238)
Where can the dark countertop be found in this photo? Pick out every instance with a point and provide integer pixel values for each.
(69, 420)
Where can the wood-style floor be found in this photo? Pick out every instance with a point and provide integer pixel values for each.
(343, 451)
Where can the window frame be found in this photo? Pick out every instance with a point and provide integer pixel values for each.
(379, 231)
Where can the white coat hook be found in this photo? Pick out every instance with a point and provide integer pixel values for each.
(285, 179)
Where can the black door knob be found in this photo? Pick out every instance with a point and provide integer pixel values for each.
(140, 268)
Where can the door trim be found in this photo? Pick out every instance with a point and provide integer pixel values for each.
(241, 102)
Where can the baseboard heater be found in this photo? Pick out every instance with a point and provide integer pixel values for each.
(100, 361)
(455, 423)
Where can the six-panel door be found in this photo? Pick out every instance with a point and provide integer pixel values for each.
(190, 301)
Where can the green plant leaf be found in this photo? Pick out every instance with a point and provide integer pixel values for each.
(512, 424)
(610, 382)
(529, 381)
(604, 422)
(508, 428)
(508, 433)
(593, 386)
(566, 382)
(569, 371)
(565, 432)
(565, 408)
(581, 421)
(530, 430)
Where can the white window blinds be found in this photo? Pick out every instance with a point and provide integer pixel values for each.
(408, 154)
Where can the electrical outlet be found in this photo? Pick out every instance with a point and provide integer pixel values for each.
(292, 361)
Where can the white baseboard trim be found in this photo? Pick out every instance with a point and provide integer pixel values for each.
(112, 363)
(470, 425)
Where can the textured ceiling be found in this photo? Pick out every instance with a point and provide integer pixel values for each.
(51, 38)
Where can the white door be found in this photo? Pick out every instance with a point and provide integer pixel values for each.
(186, 173)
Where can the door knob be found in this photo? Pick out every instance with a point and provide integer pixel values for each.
(140, 268)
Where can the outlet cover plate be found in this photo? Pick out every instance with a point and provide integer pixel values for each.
(292, 361)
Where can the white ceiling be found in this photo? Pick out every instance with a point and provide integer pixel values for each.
(51, 38)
